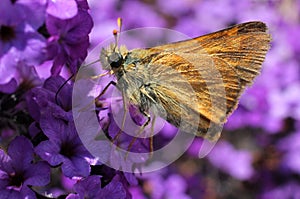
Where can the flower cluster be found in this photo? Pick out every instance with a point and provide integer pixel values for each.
(42, 153)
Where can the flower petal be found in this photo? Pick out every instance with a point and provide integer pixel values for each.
(63, 9)
(10, 194)
(75, 167)
(9, 87)
(49, 151)
(5, 162)
(89, 186)
(114, 190)
(21, 152)
(38, 174)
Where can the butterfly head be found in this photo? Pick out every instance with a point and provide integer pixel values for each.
(115, 60)
(112, 58)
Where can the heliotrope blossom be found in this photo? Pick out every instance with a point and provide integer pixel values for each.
(68, 41)
(119, 159)
(14, 118)
(62, 9)
(290, 146)
(46, 96)
(91, 188)
(288, 190)
(19, 171)
(64, 146)
(19, 39)
(235, 162)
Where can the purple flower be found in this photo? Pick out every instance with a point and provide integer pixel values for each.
(33, 12)
(288, 190)
(25, 76)
(64, 146)
(236, 163)
(254, 110)
(285, 103)
(147, 16)
(69, 40)
(91, 188)
(216, 15)
(159, 185)
(62, 9)
(39, 100)
(290, 145)
(292, 35)
(176, 187)
(137, 192)
(19, 40)
(17, 170)
(118, 157)
(56, 122)
(14, 118)
(195, 147)
(83, 4)
(108, 173)
(176, 8)
(18, 23)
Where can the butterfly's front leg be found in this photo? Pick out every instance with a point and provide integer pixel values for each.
(105, 89)
(98, 97)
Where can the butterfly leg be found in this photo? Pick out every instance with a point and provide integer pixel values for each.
(151, 136)
(116, 137)
(97, 98)
(105, 89)
(140, 131)
(101, 75)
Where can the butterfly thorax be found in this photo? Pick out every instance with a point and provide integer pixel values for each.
(132, 73)
(134, 77)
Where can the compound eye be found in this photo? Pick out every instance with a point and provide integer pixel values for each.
(115, 60)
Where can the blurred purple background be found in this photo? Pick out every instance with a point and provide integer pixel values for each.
(258, 155)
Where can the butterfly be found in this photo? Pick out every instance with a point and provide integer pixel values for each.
(194, 84)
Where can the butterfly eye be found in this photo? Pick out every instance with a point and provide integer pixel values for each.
(115, 60)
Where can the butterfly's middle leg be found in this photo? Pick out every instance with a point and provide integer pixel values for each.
(116, 137)
(140, 130)
(151, 136)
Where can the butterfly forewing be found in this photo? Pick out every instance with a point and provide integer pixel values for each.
(218, 66)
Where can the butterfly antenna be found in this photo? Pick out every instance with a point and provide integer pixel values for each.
(120, 28)
(116, 34)
(59, 89)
